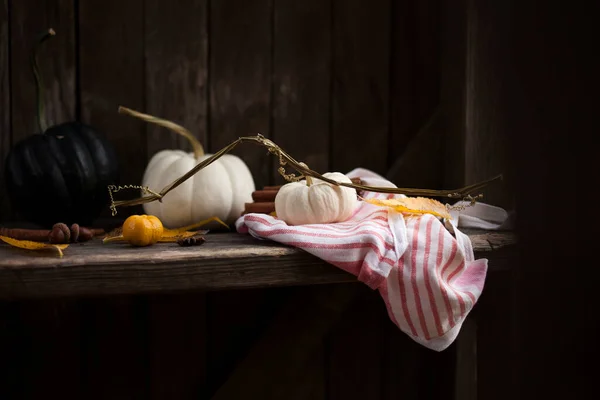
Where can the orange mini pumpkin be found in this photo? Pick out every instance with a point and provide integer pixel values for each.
(142, 230)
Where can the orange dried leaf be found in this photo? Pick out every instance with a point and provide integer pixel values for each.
(114, 236)
(29, 245)
(178, 231)
(169, 235)
(174, 236)
(414, 205)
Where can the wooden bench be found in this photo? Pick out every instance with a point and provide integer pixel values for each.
(225, 261)
(309, 344)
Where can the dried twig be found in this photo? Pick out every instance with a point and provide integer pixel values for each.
(285, 160)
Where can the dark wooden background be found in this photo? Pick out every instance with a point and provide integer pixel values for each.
(411, 89)
(340, 84)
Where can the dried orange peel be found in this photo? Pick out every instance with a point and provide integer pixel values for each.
(413, 205)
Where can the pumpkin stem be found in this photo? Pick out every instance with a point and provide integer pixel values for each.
(308, 178)
(39, 84)
(196, 145)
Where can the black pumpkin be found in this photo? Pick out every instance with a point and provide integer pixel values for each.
(61, 174)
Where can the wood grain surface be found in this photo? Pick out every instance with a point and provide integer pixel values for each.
(226, 260)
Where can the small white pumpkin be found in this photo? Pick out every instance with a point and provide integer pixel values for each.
(219, 190)
(313, 201)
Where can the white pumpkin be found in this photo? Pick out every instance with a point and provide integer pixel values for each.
(314, 201)
(218, 190)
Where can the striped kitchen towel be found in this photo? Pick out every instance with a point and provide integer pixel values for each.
(425, 271)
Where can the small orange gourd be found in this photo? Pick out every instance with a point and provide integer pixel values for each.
(142, 230)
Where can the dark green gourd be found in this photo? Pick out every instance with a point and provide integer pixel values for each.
(62, 173)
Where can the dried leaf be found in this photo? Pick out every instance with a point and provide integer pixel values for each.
(169, 235)
(414, 205)
(114, 236)
(178, 231)
(29, 245)
(174, 236)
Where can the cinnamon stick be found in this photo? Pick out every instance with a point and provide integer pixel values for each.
(34, 235)
(83, 234)
(264, 195)
(266, 207)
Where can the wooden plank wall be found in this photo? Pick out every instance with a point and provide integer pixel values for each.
(5, 116)
(339, 84)
(474, 95)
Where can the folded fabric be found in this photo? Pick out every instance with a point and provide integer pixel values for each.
(424, 271)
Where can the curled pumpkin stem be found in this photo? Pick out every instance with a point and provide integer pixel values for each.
(180, 130)
(287, 160)
(39, 84)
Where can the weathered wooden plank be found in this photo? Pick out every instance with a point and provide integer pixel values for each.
(466, 362)
(361, 63)
(548, 124)
(49, 344)
(416, 133)
(177, 346)
(426, 57)
(285, 349)
(11, 366)
(302, 80)
(240, 79)
(402, 79)
(414, 71)
(236, 319)
(355, 351)
(115, 358)
(422, 163)
(452, 88)
(5, 113)
(473, 96)
(56, 60)
(402, 365)
(226, 260)
(312, 382)
(486, 147)
(48, 333)
(57, 67)
(493, 316)
(411, 371)
(111, 61)
(176, 70)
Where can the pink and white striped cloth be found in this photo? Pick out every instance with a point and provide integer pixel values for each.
(424, 271)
